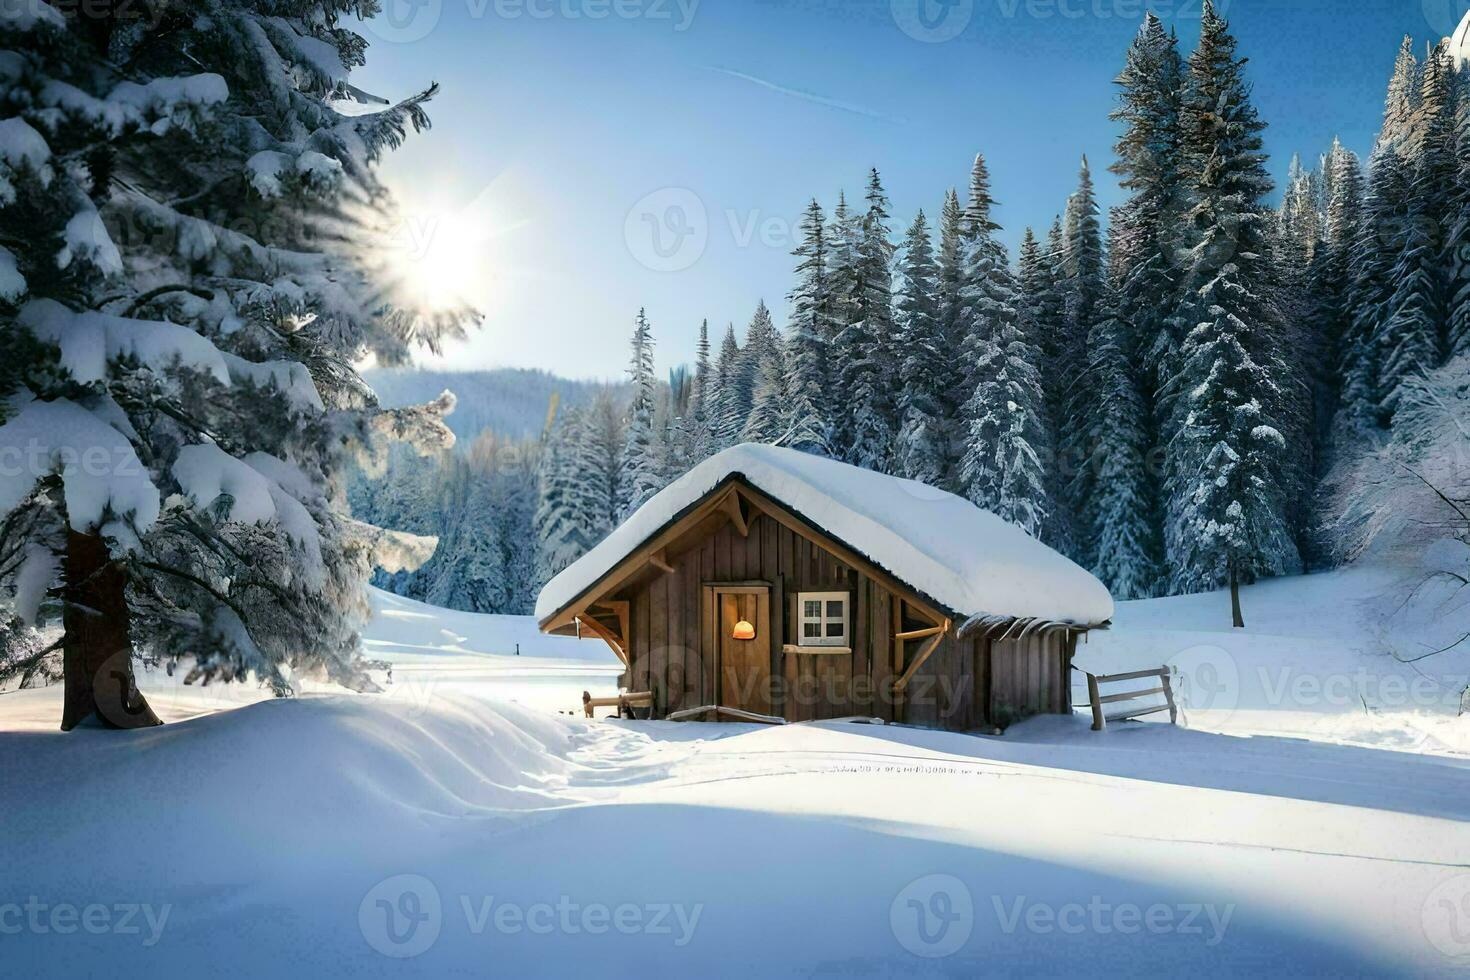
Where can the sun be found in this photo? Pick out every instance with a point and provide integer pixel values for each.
(445, 258)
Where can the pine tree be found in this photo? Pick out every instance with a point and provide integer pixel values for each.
(1331, 279)
(1065, 352)
(768, 413)
(1005, 461)
(951, 272)
(1403, 99)
(1042, 316)
(641, 475)
(1227, 454)
(729, 406)
(842, 285)
(923, 452)
(1149, 167)
(1410, 335)
(1122, 512)
(696, 437)
(808, 389)
(189, 190)
(864, 350)
(599, 452)
(561, 531)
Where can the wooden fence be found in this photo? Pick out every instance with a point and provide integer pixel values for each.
(1098, 699)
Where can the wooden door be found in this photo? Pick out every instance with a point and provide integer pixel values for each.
(744, 664)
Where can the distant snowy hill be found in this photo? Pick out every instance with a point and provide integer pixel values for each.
(510, 402)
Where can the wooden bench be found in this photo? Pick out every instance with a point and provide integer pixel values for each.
(623, 702)
(1098, 699)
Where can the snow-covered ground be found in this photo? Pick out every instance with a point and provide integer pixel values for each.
(1344, 656)
(459, 826)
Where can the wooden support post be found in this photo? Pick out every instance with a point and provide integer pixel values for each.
(1098, 721)
(732, 508)
(1169, 696)
(923, 655)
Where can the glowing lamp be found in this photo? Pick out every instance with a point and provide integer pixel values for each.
(743, 631)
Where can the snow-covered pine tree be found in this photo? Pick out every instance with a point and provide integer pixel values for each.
(467, 571)
(1227, 456)
(1372, 261)
(1403, 98)
(1004, 467)
(599, 453)
(560, 529)
(729, 404)
(642, 470)
(1148, 166)
(864, 350)
(1410, 335)
(1065, 354)
(1330, 282)
(1042, 314)
(698, 438)
(923, 448)
(768, 411)
(808, 386)
(950, 262)
(187, 301)
(761, 344)
(1122, 509)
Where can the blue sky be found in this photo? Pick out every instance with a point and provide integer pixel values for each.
(570, 133)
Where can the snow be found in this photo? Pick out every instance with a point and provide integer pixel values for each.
(1331, 657)
(99, 470)
(12, 283)
(963, 557)
(21, 146)
(89, 340)
(292, 827)
(85, 237)
(24, 15)
(205, 472)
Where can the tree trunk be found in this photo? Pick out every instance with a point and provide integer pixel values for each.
(1235, 599)
(97, 651)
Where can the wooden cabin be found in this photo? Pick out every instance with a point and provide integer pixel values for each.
(776, 584)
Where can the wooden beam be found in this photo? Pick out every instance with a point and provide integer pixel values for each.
(919, 634)
(731, 505)
(923, 655)
(660, 561)
(608, 638)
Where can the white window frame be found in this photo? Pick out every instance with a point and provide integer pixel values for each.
(822, 619)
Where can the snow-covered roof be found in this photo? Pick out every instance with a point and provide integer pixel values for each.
(940, 545)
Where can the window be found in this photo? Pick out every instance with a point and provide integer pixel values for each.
(822, 619)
